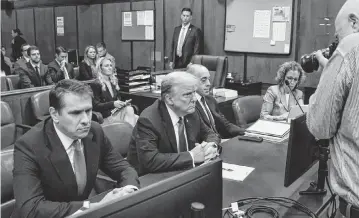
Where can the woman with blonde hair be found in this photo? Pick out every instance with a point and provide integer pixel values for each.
(278, 100)
(87, 68)
(107, 96)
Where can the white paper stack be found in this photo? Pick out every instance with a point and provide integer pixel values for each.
(227, 93)
(271, 131)
(235, 172)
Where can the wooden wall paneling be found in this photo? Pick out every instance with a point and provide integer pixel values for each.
(235, 65)
(142, 50)
(160, 43)
(263, 67)
(69, 39)
(112, 21)
(8, 23)
(172, 13)
(45, 36)
(89, 20)
(213, 31)
(25, 22)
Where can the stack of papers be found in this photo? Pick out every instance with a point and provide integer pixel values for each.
(235, 172)
(272, 131)
(227, 93)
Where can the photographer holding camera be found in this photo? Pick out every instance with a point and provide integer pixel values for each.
(334, 109)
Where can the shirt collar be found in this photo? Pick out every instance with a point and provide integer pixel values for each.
(65, 140)
(198, 96)
(348, 43)
(35, 65)
(174, 117)
(58, 62)
(186, 26)
(26, 59)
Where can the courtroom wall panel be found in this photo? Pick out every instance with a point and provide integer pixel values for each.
(44, 29)
(26, 23)
(112, 31)
(69, 39)
(8, 23)
(89, 20)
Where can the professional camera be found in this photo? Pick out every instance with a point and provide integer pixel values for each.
(310, 63)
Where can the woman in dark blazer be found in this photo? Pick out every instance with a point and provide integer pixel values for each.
(16, 44)
(107, 96)
(87, 68)
(278, 100)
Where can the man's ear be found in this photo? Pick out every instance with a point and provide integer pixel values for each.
(54, 114)
(168, 99)
(354, 21)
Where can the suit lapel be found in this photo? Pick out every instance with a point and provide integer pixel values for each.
(203, 114)
(34, 73)
(167, 123)
(190, 133)
(92, 151)
(59, 159)
(187, 34)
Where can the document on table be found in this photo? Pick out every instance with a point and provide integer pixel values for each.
(235, 172)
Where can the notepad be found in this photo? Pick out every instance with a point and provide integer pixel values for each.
(235, 172)
(270, 128)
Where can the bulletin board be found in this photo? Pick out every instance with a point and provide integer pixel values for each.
(138, 25)
(259, 26)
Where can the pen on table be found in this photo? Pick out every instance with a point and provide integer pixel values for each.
(230, 170)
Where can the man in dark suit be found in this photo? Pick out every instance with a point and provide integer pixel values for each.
(56, 162)
(59, 69)
(207, 106)
(186, 41)
(167, 133)
(21, 62)
(34, 74)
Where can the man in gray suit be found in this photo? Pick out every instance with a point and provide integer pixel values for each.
(21, 62)
(186, 41)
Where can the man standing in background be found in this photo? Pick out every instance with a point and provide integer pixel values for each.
(186, 41)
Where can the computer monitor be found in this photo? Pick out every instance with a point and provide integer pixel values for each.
(301, 154)
(72, 57)
(171, 197)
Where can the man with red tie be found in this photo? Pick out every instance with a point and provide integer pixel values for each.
(56, 162)
(186, 41)
(34, 74)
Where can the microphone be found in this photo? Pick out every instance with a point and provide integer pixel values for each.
(287, 84)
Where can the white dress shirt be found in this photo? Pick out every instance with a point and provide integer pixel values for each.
(36, 65)
(26, 59)
(175, 119)
(185, 30)
(65, 70)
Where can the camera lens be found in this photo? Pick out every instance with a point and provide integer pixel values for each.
(309, 63)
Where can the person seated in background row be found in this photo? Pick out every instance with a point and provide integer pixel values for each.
(35, 72)
(102, 53)
(6, 59)
(278, 99)
(59, 69)
(87, 68)
(56, 162)
(167, 134)
(207, 106)
(21, 62)
(107, 96)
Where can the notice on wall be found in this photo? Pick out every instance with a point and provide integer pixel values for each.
(60, 31)
(279, 31)
(149, 33)
(59, 21)
(127, 19)
(286, 48)
(281, 14)
(261, 25)
(140, 18)
(60, 26)
(149, 18)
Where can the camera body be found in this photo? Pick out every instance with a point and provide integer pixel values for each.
(310, 63)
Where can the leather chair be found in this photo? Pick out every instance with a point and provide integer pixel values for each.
(217, 66)
(14, 81)
(4, 83)
(7, 194)
(8, 127)
(119, 134)
(247, 110)
(40, 106)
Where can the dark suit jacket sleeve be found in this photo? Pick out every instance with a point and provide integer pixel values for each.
(198, 42)
(29, 196)
(84, 73)
(224, 127)
(207, 133)
(173, 46)
(150, 157)
(70, 71)
(116, 167)
(25, 81)
(51, 72)
(98, 105)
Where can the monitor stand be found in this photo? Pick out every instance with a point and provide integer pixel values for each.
(318, 188)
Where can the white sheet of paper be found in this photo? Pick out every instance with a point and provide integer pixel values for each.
(271, 128)
(60, 31)
(140, 18)
(279, 30)
(281, 14)
(127, 19)
(149, 18)
(261, 25)
(286, 48)
(149, 32)
(235, 172)
(59, 21)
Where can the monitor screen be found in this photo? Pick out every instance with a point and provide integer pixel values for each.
(171, 197)
(301, 154)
